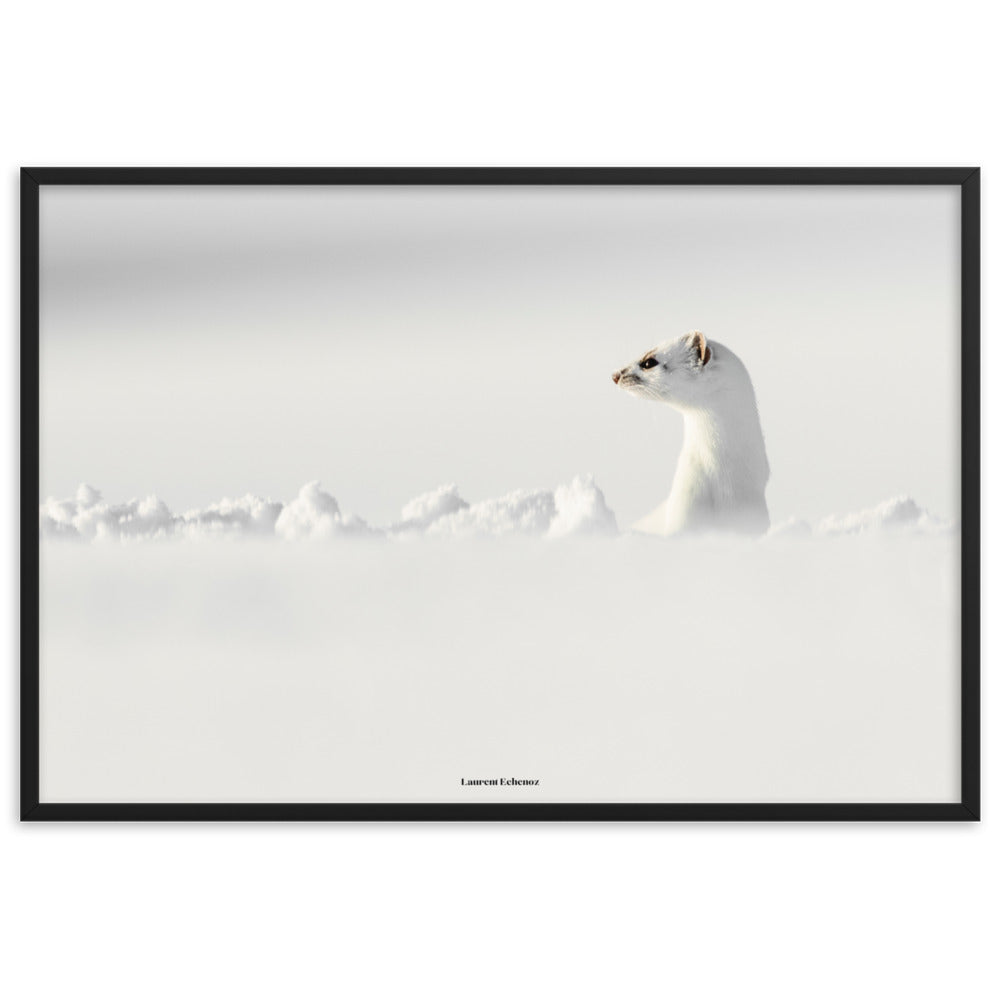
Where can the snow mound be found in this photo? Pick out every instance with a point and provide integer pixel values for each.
(523, 512)
(578, 508)
(582, 510)
(793, 527)
(424, 510)
(312, 513)
(250, 515)
(87, 516)
(575, 509)
(316, 514)
(900, 513)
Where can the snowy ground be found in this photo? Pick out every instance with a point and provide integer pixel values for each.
(358, 664)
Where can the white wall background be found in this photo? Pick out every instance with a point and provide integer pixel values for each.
(696, 911)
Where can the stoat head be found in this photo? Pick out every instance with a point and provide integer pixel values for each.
(677, 372)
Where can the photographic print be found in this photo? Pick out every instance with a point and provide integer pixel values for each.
(500, 494)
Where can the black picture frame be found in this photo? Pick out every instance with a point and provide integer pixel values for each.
(968, 179)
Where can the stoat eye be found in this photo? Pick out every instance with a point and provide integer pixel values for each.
(648, 363)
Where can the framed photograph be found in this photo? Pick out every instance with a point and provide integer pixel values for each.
(500, 494)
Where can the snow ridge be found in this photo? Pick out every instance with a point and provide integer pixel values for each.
(574, 509)
(578, 508)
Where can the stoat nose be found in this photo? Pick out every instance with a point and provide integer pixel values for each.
(616, 377)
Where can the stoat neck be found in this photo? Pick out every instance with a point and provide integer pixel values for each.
(728, 438)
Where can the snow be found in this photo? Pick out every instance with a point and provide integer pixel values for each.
(814, 668)
(423, 510)
(577, 508)
(581, 510)
(249, 515)
(312, 513)
(898, 513)
(809, 665)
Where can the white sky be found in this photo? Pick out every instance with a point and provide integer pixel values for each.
(206, 342)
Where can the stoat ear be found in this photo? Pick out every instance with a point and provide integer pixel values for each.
(700, 347)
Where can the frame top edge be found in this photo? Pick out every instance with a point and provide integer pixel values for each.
(498, 175)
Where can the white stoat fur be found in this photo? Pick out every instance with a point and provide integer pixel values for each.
(722, 469)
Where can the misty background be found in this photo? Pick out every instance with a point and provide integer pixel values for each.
(206, 342)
